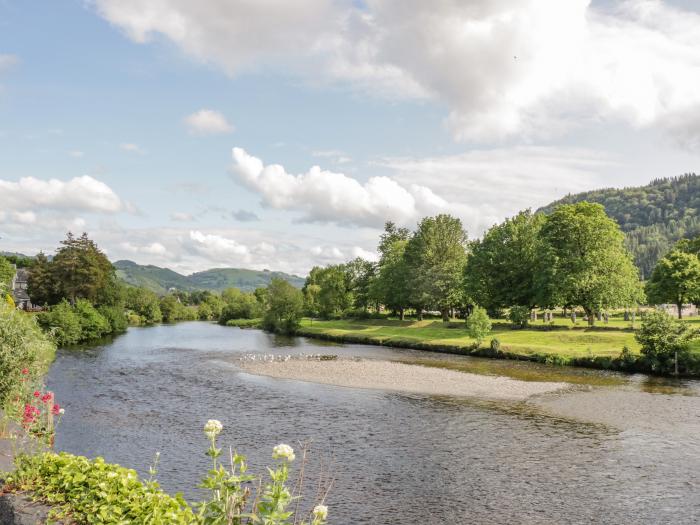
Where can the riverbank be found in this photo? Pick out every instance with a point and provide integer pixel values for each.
(400, 377)
(599, 347)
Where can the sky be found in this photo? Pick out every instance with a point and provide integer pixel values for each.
(279, 135)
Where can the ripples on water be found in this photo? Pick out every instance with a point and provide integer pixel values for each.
(397, 458)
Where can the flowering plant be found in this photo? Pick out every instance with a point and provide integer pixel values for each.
(232, 489)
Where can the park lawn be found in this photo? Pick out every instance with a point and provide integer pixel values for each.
(562, 341)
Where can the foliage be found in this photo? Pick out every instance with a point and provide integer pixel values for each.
(665, 341)
(42, 285)
(116, 317)
(334, 296)
(519, 316)
(239, 305)
(391, 285)
(285, 306)
(22, 345)
(93, 491)
(503, 266)
(80, 270)
(478, 324)
(63, 323)
(676, 280)
(653, 216)
(7, 272)
(143, 303)
(93, 324)
(585, 262)
(436, 256)
(173, 310)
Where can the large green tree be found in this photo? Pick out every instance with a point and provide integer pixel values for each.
(585, 262)
(7, 272)
(81, 271)
(436, 256)
(675, 280)
(502, 267)
(284, 308)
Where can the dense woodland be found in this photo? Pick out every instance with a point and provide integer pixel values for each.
(653, 217)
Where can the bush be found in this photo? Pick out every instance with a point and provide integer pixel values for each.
(519, 316)
(285, 304)
(115, 316)
(62, 323)
(93, 325)
(478, 324)
(22, 345)
(665, 342)
(92, 491)
(495, 345)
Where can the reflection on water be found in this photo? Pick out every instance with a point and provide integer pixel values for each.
(398, 458)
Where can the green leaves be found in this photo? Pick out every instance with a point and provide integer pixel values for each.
(676, 280)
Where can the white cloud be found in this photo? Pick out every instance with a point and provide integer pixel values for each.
(131, 148)
(76, 154)
(490, 184)
(219, 249)
(504, 68)
(334, 155)
(207, 122)
(7, 61)
(326, 196)
(154, 248)
(181, 217)
(77, 194)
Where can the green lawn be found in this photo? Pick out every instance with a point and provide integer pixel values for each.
(563, 340)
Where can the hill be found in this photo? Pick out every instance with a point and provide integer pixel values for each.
(161, 279)
(653, 217)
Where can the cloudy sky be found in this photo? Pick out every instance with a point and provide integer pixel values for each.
(277, 134)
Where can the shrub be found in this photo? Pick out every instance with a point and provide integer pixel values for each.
(93, 491)
(93, 324)
(519, 316)
(495, 345)
(478, 324)
(63, 323)
(665, 342)
(115, 316)
(22, 345)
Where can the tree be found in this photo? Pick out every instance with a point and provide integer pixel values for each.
(80, 270)
(502, 267)
(664, 341)
(436, 256)
(285, 305)
(585, 262)
(7, 272)
(478, 324)
(334, 296)
(676, 280)
(360, 274)
(390, 287)
(42, 285)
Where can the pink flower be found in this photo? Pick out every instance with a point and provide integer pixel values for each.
(25, 371)
(48, 396)
(56, 409)
(37, 393)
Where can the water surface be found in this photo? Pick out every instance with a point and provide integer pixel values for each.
(396, 458)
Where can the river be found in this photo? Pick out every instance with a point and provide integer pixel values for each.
(395, 458)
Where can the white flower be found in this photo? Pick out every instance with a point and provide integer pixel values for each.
(283, 451)
(320, 512)
(213, 428)
(62, 411)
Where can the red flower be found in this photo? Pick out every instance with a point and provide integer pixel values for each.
(56, 409)
(37, 393)
(25, 371)
(48, 396)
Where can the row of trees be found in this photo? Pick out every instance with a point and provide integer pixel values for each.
(573, 257)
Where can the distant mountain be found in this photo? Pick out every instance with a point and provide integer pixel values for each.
(160, 280)
(653, 217)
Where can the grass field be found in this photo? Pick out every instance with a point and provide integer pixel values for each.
(563, 339)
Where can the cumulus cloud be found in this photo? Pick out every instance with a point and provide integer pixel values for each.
(326, 196)
(503, 68)
(218, 249)
(77, 194)
(207, 122)
(7, 60)
(131, 148)
(154, 248)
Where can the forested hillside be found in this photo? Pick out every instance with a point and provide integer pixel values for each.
(653, 217)
(160, 280)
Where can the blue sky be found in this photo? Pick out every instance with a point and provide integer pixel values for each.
(119, 118)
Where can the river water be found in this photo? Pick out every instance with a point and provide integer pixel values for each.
(395, 458)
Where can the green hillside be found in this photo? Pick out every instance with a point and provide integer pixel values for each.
(160, 280)
(653, 217)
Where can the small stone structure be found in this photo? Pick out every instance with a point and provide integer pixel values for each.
(19, 285)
